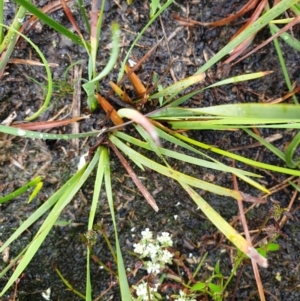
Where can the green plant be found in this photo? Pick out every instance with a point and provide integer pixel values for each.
(174, 118)
(157, 259)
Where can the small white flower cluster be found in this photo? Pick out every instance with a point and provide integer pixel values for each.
(144, 292)
(159, 256)
(155, 249)
(184, 297)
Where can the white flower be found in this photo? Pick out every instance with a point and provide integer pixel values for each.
(46, 294)
(147, 234)
(155, 249)
(139, 248)
(152, 267)
(184, 297)
(166, 256)
(152, 250)
(165, 239)
(142, 292)
(82, 161)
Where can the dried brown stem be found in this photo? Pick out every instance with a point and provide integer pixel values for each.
(248, 238)
(135, 178)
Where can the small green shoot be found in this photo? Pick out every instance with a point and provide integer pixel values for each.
(36, 182)
(154, 5)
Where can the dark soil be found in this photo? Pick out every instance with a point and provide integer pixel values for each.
(193, 235)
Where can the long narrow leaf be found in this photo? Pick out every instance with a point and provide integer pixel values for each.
(39, 238)
(91, 85)
(192, 160)
(49, 21)
(96, 194)
(49, 76)
(124, 287)
(267, 144)
(269, 112)
(21, 190)
(185, 158)
(239, 158)
(171, 173)
(238, 240)
(281, 7)
(40, 135)
(41, 210)
(292, 163)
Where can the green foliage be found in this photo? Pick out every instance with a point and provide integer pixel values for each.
(237, 116)
(51, 22)
(35, 182)
(154, 5)
(215, 286)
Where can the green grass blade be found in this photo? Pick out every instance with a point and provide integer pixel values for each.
(95, 36)
(123, 282)
(239, 158)
(96, 194)
(35, 191)
(84, 16)
(97, 188)
(12, 29)
(50, 22)
(49, 76)
(41, 210)
(40, 135)
(297, 187)
(269, 112)
(231, 234)
(296, 9)
(21, 190)
(267, 144)
(149, 140)
(219, 125)
(231, 80)
(283, 65)
(192, 160)
(230, 124)
(216, 165)
(257, 110)
(171, 173)
(185, 158)
(290, 152)
(161, 10)
(7, 53)
(91, 86)
(180, 85)
(280, 8)
(39, 238)
(115, 30)
(239, 78)
(289, 39)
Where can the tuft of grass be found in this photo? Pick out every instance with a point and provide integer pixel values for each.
(164, 124)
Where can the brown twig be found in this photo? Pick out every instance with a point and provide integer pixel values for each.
(284, 218)
(150, 200)
(76, 102)
(248, 238)
(282, 30)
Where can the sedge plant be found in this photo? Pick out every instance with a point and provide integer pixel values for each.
(151, 131)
